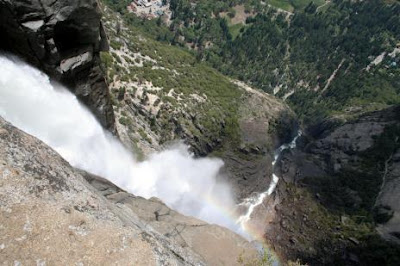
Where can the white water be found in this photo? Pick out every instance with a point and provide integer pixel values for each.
(253, 202)
(51, 113)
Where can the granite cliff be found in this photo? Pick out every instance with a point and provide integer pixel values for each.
(63, 39)
(339, 192)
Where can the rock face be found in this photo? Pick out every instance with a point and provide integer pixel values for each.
(215, 244)
(336, 146)
(348, 167)
(389, 198)
(63, 38)
(264, 124)
(49, 214)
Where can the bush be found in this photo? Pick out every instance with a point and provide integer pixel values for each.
(124, 121)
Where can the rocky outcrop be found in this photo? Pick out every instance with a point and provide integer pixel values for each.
(215, 244)
(336, 145)
(339, 172)
(49, 214)
(63, 38)
(264, 124)
(388, 200)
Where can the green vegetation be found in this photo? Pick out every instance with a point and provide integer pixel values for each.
(124, 121)
(321, 54)
(304, 55)
(294, 5)
(144, 135)
(322, 236)
(374, 250)
(269, 52)
(267, 259)
(180, 78)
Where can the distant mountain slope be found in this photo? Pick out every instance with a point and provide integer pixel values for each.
(340, 57)
(322, 62)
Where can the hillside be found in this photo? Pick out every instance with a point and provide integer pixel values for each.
(346, 182)
(162, 94)
(335, 59)
(322, 63)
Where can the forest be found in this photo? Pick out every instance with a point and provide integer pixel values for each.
(316, 59)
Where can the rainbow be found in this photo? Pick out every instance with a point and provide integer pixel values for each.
(244, 227)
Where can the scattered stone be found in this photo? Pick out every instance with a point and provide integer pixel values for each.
(354, 241)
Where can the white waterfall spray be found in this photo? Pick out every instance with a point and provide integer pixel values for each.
(51, 113)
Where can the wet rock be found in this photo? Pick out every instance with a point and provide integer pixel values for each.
(388, 201)
(62, 38)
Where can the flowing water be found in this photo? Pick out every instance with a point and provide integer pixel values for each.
(54, 115)
(253, 202)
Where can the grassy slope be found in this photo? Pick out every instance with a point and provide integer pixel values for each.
(300, 57)
(178, 81)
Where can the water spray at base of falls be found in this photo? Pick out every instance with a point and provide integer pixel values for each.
(51, 113)
(191, 186)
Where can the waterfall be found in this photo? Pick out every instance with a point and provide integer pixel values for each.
(192, 186)
(54, 115)
(254, 201)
